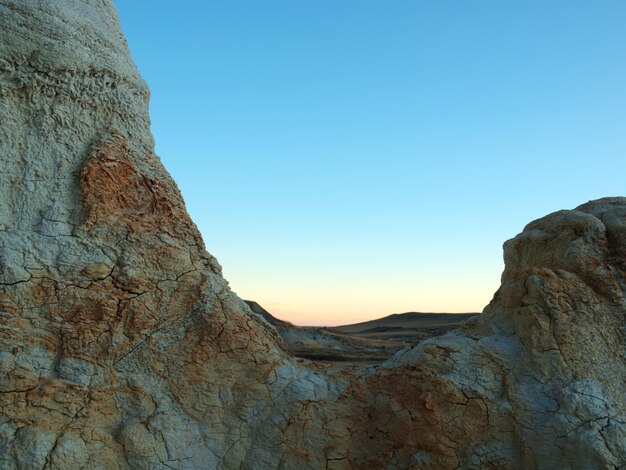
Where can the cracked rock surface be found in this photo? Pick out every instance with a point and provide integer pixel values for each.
(121, 345)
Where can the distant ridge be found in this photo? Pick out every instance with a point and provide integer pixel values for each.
(409, 320)
(256, 308)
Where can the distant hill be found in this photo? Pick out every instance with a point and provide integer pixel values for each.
(409, 320)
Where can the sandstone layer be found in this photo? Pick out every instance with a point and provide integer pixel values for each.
(121, 345)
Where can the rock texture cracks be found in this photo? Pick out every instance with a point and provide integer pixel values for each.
(121, 345)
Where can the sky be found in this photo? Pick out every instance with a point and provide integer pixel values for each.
(349, 159)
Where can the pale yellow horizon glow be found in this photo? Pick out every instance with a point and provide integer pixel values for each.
(331, 302)
(352, 281)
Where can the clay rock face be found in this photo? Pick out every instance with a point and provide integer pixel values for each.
(121, 345)
(537, 380)
(111, 311)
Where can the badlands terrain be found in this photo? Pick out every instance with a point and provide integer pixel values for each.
(368, 342)
(123, 347)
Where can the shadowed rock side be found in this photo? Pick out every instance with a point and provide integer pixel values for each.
(121, 345)
(256, 308)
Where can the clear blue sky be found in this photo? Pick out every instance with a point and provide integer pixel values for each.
(348, 159)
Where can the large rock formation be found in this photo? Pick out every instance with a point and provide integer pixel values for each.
(121, 345)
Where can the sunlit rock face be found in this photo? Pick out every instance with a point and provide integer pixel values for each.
(121, 345)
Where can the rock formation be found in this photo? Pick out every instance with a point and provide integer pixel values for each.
(121, 345)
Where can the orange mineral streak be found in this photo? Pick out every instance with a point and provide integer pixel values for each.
(103, 310)
(115, 191)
